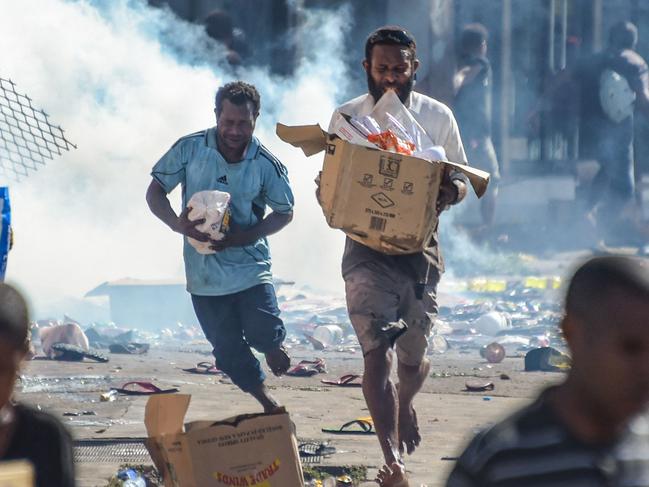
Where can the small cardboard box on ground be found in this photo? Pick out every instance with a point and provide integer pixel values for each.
(248, 450)
(381, 199)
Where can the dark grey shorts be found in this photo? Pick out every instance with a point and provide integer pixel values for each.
(378, 295)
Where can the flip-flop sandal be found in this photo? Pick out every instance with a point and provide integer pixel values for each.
(359, 426)
(318, 364)
(349, 380)
(302, 370)
(479, 386)
(315, 449)
(282, 368)
(130, 348)
(145, 389)
(205, 368)
(75, 353)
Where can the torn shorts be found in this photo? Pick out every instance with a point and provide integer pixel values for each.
(379, 297)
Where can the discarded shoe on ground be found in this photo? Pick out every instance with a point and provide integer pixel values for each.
(205, 368)
(139, 388)
(129, 348)
(74, 353)
(479, 386)
(358, 426)
(546, 359)
(349, 380)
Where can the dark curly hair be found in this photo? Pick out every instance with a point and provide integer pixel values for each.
(237, 92)
(14, 319)
(472, 37)
(393, 35)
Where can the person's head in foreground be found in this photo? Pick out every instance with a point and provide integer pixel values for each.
(25, 433)
(606, 326)
(390, 62)
(14, 329)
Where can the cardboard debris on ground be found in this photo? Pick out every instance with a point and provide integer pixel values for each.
(382, 199)
(251, 449)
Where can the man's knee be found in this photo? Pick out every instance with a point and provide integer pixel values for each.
(265, 332)
(379, 359)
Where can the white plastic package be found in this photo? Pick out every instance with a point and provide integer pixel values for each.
(390, 114)
(214, 207)
(366, 125)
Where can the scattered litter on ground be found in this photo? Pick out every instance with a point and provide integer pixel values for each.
(479, 386)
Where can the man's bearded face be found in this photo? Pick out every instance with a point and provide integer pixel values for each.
(391, 67)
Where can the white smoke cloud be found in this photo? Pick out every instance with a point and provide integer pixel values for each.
(123, 97)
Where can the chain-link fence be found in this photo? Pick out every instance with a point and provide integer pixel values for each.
(27, 137)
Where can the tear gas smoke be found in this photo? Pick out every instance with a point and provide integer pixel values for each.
(124, 95)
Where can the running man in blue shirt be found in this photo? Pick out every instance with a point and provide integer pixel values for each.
(232, 290)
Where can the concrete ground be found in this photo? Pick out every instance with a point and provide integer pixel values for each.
(448, 416)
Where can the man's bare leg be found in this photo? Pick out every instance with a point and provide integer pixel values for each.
(411, 379)
(262, 395)
(381, 398)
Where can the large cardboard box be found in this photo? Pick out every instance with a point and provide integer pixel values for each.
(249, 450)
(381, 199)
(17, 473)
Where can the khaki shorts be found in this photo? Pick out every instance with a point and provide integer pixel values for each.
(378, 296)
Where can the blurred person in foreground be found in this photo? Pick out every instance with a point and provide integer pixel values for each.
(472, 107)
(388, 294)
(26, 433)
(591, 430)
(232, 289)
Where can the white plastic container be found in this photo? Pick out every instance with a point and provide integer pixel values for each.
(328, 334)
(491, 323)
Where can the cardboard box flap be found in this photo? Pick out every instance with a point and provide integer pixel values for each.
(478, 178)
(164, 414)
(310, 138)
(234, 421)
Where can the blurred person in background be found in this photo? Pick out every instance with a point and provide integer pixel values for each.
(27, 433)
(612, 84)
(472, 107)
(603, 91)
(220, 27)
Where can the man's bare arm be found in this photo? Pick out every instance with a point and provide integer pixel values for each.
(159, 204)
(271, 224)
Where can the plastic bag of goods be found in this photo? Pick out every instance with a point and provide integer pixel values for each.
(392, 127)
(214, 206)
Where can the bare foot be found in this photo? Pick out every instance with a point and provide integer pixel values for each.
(392, 476)
(278, 361)
(408, 428)
(409, 437)
(268, 402)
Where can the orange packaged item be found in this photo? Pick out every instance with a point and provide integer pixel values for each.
(390, 142)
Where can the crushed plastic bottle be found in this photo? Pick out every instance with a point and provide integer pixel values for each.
(131, 478)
